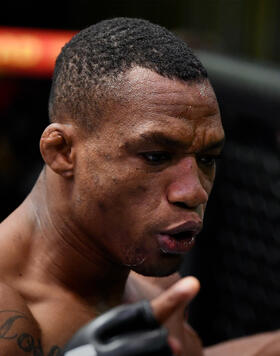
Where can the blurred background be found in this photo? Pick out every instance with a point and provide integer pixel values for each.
(237, 257)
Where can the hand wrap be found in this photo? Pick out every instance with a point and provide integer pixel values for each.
(128, 330)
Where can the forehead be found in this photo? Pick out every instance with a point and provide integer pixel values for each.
(149, 92)
(142, 83)
(148, 101)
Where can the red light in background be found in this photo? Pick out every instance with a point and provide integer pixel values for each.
(30, 52)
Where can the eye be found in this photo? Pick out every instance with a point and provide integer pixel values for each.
(208, 160)
(156, 157)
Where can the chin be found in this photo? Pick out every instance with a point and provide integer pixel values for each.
(170, 265)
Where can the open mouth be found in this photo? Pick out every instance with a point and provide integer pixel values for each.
(183, 235)
(179, 243)
(180, 239)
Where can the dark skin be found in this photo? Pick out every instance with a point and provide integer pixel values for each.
(150, 183)
(97, 211)
(99, 208)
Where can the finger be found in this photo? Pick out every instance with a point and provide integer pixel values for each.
(170, 300)
(175, 346)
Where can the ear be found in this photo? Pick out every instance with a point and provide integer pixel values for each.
(56, 146)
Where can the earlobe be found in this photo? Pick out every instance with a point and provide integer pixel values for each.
(56, 147)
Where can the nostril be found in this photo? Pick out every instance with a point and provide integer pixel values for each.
(180, 205)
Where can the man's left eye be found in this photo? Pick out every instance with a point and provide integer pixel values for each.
(155, 158)
(208, 161)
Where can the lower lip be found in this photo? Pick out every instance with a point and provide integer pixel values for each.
(169, 244)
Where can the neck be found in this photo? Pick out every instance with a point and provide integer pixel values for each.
(60, 254)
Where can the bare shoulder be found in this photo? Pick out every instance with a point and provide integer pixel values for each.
(19, 332)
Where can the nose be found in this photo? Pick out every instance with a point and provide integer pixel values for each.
(186, 188)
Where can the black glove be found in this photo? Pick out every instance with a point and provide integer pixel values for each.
(128, 330)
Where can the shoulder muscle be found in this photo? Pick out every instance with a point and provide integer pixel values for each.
(19, 332)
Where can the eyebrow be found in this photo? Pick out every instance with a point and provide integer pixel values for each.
(162, 139)
(214, 145)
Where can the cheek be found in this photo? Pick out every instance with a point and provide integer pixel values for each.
(207, 180)
(127, 209)
(131, 194)
(124, 215)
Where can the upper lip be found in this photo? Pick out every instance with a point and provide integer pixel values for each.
(188, 226)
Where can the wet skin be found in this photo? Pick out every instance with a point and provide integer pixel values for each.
(148, 169)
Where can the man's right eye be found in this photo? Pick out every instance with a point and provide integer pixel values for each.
(156, 158)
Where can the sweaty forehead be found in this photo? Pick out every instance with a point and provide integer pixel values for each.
(152, 91)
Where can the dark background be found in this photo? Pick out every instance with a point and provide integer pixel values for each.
(237, 255)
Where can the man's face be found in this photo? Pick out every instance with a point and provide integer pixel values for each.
(143, 180)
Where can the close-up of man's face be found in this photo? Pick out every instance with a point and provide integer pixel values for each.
(144, 178)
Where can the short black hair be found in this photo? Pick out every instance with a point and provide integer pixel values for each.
(98, 54)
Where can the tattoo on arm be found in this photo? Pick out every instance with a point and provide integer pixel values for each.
(25, 341)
